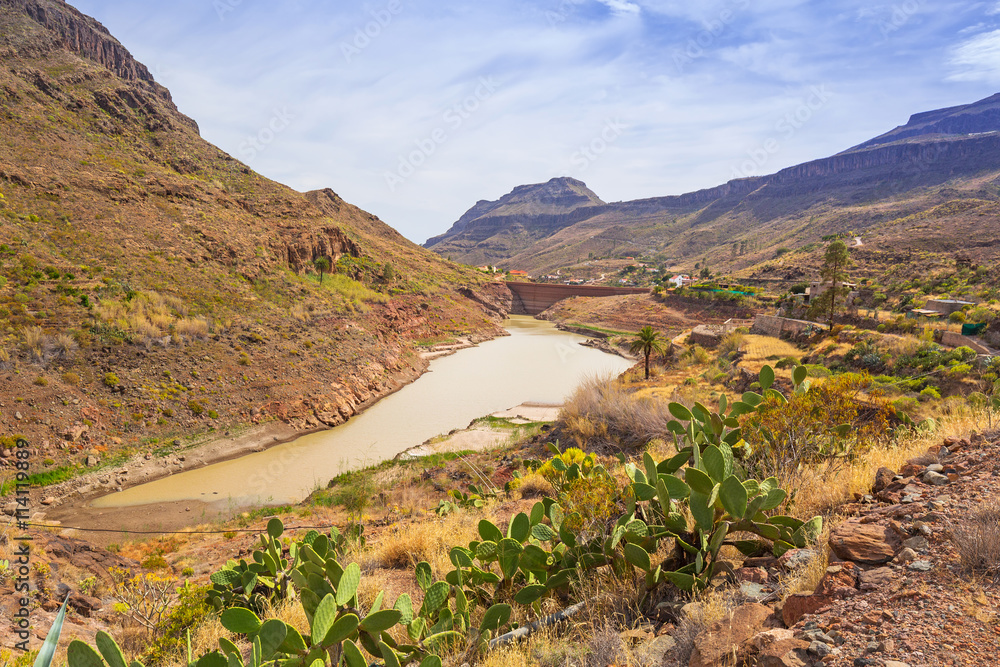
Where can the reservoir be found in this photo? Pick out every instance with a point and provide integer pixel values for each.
(536, 363)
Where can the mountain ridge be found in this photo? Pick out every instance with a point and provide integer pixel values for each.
(151, 284)
(906, 162)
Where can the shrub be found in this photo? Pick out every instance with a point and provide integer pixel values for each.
(958, 317)
(111, 380)
(929, 393)
(244, 359)
(907, 405)
(977, 540)
(41, 381)
(825, 423)
(195, 407)
(71, 378)
(602, 413)
(212, 414)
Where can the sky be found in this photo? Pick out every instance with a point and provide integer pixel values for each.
(416, 109)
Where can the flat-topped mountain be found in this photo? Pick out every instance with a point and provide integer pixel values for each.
(942, 166)
(968, 119)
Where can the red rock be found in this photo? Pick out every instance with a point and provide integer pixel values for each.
(757, 575)
(84, 605)
(840, 581)
(800, 604)
(883, 478)
(864, 543)
(786, 653)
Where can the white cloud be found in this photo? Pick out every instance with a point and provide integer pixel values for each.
(565, 69)
(977, 59)
(621, 6)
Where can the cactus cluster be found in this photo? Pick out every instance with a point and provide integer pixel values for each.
(696, 500)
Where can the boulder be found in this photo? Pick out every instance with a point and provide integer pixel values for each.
(877, 578)
(883, 478)
(840, 581)
(864, 543)
(84, 605)
(725, 637)
(798, 605)
(785, 653)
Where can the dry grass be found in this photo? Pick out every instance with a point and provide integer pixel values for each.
(806, 578)
(534, 485)
(300, 312)
(977, 540)
(406, 544)
(603, 414)
(708, 608)
(195, 327)
(823, 488)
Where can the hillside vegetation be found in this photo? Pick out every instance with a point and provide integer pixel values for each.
(151, 286)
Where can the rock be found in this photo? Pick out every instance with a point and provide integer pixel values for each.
(91, 461)
(654, 652)
(894, 663)
(718, 641)
(864, 543)
(793, 559)
(921, 566)
(918, 543)
(935, 467)
(754, 592)
(838, 582)
(906, 556)
(48, 500)
(883, 478)
(50, 605)
(785, 653)
(820, 649)
(757, 575)
(764, 639)
(85, 605)
(799, 604)
(936, 479)
(876, 578)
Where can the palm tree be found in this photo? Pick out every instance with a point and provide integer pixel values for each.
(647, 341)
(322, 265)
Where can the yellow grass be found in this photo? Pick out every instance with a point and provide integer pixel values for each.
(807, 578)
(430, 539)
(763, 351)
(821, 489)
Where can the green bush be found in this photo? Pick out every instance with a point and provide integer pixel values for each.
(907, 405)
(929, 393)
(195, 407)
(111, 380)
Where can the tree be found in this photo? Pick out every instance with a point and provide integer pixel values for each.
(322, 265)
(647, 341)
(836, 261)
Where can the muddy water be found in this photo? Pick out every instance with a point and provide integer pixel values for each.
(536, 363)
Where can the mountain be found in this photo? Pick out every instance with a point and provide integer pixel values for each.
(492, 230)
(927, 186)
(152, 285)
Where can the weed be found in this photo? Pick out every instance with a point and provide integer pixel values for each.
(977, 540)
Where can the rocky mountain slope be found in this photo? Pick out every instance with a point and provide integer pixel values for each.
(152, 286)
(928, 186)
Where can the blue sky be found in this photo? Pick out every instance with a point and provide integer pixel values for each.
(414, 109)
